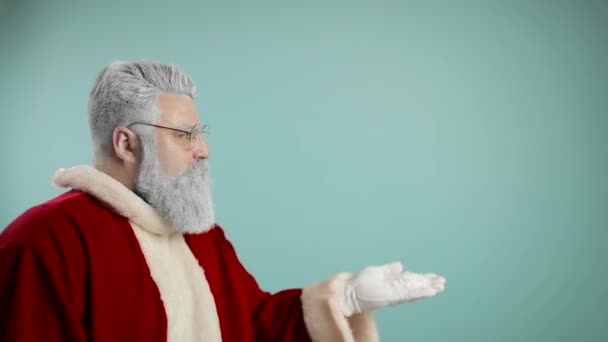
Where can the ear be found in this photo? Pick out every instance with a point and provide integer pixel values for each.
(126, 145)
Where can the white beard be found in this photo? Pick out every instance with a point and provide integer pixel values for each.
(184, 201)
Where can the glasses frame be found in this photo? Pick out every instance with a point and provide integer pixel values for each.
(192, 135)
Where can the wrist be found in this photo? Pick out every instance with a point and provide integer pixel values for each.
(350, 305)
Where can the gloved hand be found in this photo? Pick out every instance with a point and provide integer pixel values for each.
(379, 286)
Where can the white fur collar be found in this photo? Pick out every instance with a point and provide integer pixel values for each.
(114, 195)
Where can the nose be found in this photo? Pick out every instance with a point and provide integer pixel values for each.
(201, 149)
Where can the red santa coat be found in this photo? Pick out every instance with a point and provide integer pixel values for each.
(97, 263)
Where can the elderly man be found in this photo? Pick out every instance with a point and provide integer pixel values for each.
(132, 252)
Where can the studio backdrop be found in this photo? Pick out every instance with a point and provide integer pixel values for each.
(467, 138)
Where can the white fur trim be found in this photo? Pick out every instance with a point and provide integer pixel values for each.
(183, 287)
(184, 290)
(321, 303)
(114, 195)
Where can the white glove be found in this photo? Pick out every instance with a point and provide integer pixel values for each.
(379, 286)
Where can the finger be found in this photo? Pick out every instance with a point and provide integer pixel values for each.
(422, 292)
(435, 278)
(438, 287)
(438, 284)
(393, 268)
(438, 279)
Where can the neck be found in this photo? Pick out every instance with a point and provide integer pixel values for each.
(117, 170)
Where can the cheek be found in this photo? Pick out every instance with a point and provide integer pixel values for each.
(173, 159)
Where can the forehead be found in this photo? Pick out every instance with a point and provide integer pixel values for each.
(177, 109)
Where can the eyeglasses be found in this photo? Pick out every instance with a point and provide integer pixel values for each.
(191, 137)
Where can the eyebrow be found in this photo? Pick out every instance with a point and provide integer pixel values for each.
(187, 127)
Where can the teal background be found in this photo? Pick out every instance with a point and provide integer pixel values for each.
(466, 138)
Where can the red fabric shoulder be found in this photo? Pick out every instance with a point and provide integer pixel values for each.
(72, 270)
(33, 225)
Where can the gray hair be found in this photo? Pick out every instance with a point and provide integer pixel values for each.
(125, 92)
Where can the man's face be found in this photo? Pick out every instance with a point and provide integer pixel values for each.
(174, 151)
(173, 174)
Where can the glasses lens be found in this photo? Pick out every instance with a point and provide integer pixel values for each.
(195, 135)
